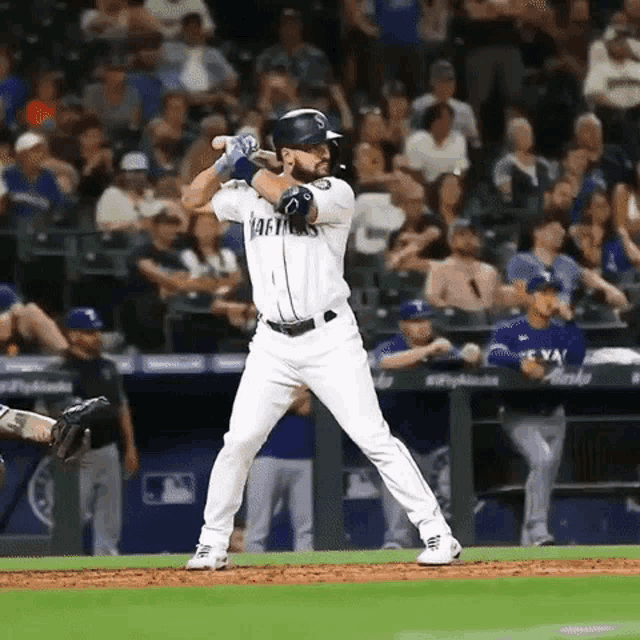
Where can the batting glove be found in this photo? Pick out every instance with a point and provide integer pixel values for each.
(236, 148)
(296, 202)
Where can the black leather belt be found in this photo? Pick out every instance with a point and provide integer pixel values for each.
(294, 329)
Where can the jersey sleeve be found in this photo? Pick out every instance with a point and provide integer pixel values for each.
(499, 352)
(226, 202)
(334, 200)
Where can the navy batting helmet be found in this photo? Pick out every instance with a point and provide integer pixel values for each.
(84, 318)
(302, 127)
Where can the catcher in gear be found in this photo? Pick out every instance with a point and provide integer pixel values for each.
(68, 437)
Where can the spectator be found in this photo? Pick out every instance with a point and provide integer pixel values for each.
(67, 177)
(492, 47)
(115, 102)
(40, 111)
(548, 236)
(400, 50)
(279, 94)
(157, 273)
(613, 88)
(447, 200)
(461, 281)
(417, 345)
(63, 141)
(574, 167)
(422, 236)
(129, 203)
(101, 471)
(13, 90)
(604, 248)
(117, 20)
(397, 109)
(168, 136)
(190, 65)
(626, 204)
(436, 148)
(310, 67)
(95, 159)
(520, 175)
(25, 327)
(144, 76)
(443, 88)
(607, 164)
(376, 217)
(29, 191)
(535, 422)
(171, 12)
(200, 153)
(206, 258)
(558, 198)
(359, 41)
(373, 157)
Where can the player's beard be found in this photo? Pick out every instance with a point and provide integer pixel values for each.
(302, 175)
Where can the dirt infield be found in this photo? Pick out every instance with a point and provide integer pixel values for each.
(311, 574)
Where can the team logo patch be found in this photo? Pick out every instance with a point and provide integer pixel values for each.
(323, 184)
(319, 121)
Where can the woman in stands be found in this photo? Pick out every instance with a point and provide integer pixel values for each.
(603, 246)
(626, 204)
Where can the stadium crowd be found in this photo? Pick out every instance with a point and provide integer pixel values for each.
(486, 142)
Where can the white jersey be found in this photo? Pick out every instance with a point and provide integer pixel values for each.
(294, 277)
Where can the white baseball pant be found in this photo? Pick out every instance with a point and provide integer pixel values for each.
(333, 363)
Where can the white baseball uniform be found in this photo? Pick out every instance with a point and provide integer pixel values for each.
(296, 278)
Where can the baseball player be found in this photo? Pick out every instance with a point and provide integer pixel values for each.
(296, 226)
(422, 421)
(535, 423)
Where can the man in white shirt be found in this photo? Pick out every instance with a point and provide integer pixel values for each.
(191, 65)
(443, 88)
(129, 205)
(171, 12)
(612, 87)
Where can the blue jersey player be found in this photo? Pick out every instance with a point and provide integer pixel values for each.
(535, 423)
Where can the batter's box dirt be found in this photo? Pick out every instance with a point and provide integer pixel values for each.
(310, 574)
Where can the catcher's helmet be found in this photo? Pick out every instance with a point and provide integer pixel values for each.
(302, 127)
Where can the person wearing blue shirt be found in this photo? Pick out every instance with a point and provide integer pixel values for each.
(283, 471)
(30, 191)
(421, 420)
(13, 91)
(534, 344)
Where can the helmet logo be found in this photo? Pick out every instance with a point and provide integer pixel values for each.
(319, 121)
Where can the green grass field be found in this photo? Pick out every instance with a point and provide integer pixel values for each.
(514, 608)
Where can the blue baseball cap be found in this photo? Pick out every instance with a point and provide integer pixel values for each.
(8, 297)
(415, 310)
(546, 281)
(83, 318)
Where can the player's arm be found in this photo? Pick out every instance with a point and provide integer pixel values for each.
(576, 345)
(418, 355)
(130, 451)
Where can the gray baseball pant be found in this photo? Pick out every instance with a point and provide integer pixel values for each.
(540, 440)
(271, 479)
(101, 497)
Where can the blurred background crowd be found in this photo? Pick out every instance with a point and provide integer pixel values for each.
(478, 135)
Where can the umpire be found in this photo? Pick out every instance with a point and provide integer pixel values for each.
(101, 473)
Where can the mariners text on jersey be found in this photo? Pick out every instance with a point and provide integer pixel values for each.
(294, 276)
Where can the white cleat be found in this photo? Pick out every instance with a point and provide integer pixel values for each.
(206, 558)
(441, 549)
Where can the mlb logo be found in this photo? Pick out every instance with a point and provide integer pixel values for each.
(160, 489)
